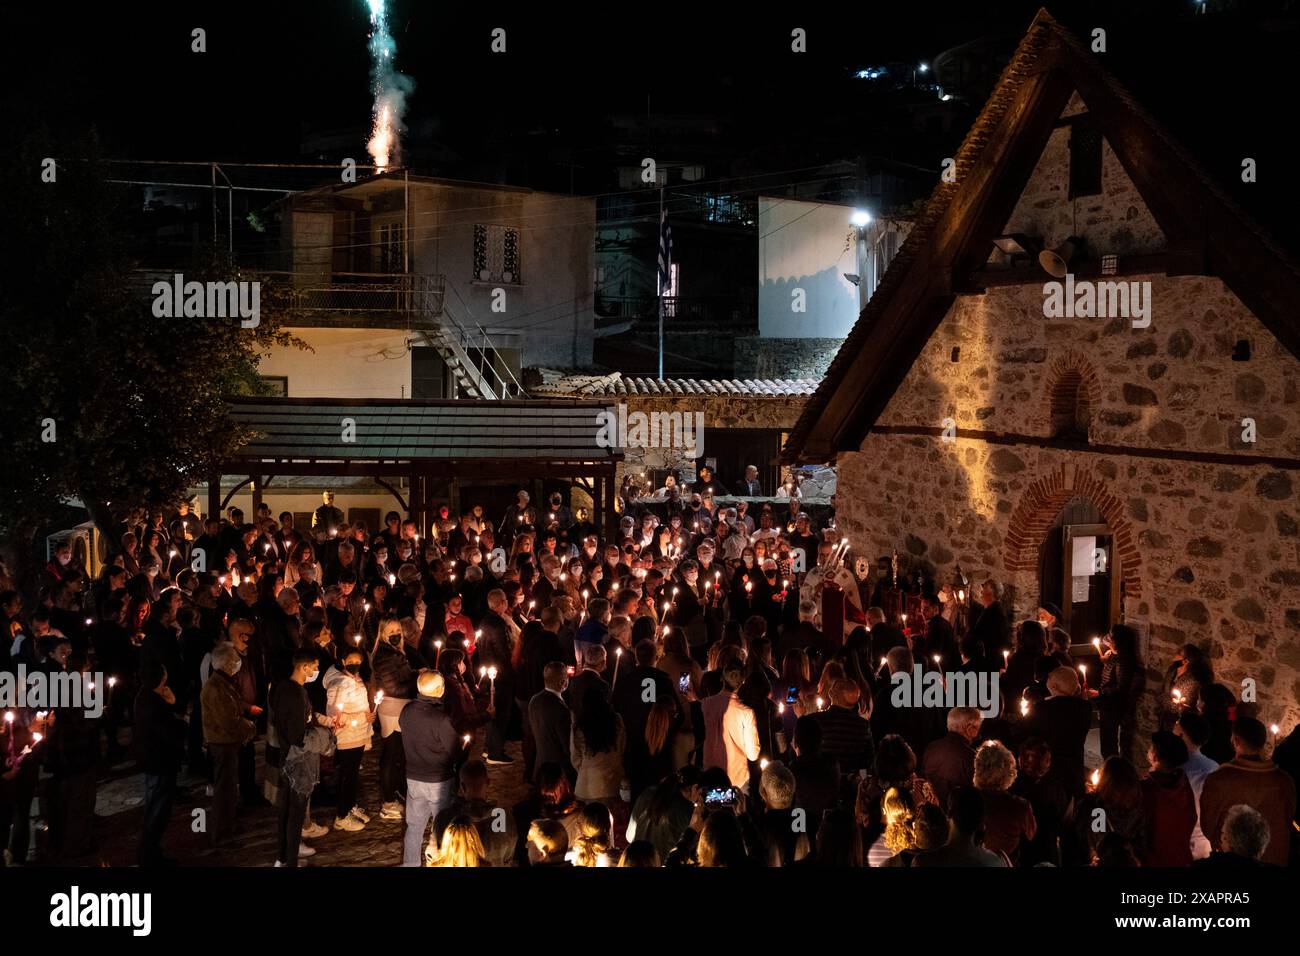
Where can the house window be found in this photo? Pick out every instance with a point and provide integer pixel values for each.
(496, 254)
(276, 386)
(1085, 160)
(392, 247)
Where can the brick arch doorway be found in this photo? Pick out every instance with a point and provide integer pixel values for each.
(1040, 524)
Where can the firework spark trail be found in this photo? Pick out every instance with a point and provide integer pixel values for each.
(390, 88)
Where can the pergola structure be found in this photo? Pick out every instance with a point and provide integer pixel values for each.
(422, 441)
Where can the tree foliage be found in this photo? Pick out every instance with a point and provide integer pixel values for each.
(137, 401)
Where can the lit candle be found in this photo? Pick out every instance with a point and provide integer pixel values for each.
(1178, 697)
(356, 639)
(173, 552)
(392, 579)
(1095, 779)
(618, 657)
(1006, 659)
(961, 595)
(884, 661)
(437, 655)
(780, 708)
(1024, 707)
(820, 703)
(762, 763)
(112, 682)
(492, 686)
(9, 716)
(905, 622)
(466, 739)
(1275, 729)
(749, 586)
(366, 605)
(88, 622)
(1096, 643)
(936, 660)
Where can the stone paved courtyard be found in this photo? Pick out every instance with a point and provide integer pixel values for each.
(118, 815)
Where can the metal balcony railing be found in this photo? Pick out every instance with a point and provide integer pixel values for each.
(413, 296)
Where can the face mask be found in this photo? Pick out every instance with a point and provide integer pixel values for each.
(235, 669)
(749, 562)
(352, 668)
(65, 558)
(152, 572)
(315, 674)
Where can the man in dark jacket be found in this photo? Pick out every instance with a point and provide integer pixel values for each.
(846, 734)
(432, 754)
(816, 775)
(1063, 721)
(632, 702)
(496, 649)
(917, 725)
(159, 741)
(939, 637)
(291, 715)
(990, 626)
(949, 762)
(551, 722)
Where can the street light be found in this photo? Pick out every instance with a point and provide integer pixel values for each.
(860, 218)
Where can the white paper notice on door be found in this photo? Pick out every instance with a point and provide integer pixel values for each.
(1084, 559)
(1079, 589)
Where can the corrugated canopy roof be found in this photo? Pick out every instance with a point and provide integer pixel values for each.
(310, 432)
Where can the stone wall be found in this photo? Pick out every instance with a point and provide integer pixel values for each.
(720, 412)
(757, 357)
(1211, 552)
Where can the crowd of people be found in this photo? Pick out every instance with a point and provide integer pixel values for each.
(707, 683)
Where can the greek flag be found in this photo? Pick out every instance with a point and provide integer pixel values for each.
(665, 253)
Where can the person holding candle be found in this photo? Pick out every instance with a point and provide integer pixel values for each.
(1184, 678)
(1252, 779)
(466, 702)
(1117, 691)
(433, 751)
(496, 650)
(1118, 797)
(1030, 645)
(348, 701)
(394, 677)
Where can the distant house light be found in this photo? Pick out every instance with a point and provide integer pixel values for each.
(923, 68)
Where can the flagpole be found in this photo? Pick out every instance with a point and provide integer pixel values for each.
(659, 280)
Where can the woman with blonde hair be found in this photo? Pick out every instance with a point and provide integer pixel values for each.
(461, 846)
(594, 845)
(898, 811)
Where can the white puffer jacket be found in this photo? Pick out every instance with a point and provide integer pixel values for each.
(349, 693)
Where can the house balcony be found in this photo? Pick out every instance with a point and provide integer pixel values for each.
(364, 299)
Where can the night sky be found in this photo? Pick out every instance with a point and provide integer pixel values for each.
(275, 70)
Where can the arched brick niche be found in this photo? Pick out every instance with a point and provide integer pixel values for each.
(1073, 391)
(1041, 503)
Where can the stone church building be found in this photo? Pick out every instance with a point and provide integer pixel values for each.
(1133, 457)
